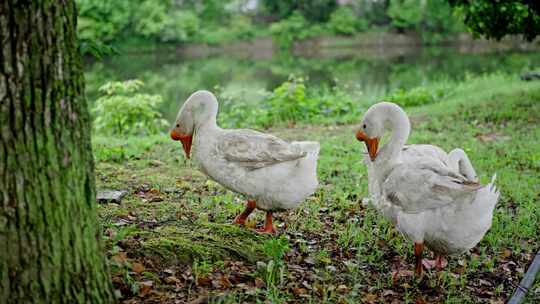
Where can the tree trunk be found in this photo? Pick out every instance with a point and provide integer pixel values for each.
(49, 248)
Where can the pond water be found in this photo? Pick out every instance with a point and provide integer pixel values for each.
(175, 75)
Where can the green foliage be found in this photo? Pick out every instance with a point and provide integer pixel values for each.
(288, 102)
(182, 26)
(406, 14)
(294, 28)
(95, 49)
(123, 21)
(150, 18)
(242, 27)
(274, 272)
(313, 10)
(292, 102)
(343, 21)
(102, 20)
(496, 19)
(121, 110)
(201, 269)
(440, 22)
(419, 95)
(276, 248)
(433, 19)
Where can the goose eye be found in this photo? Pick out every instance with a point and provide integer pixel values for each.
(364, 126)
(178, 125)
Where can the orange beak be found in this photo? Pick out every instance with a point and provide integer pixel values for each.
(372, 144)
(185, 139)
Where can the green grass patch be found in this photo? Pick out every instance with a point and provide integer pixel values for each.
(332, 248)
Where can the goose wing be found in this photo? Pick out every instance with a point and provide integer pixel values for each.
(254, 150)
(427, 184)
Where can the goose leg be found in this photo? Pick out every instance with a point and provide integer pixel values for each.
(242, 217)
(418, 248)
(268, 226)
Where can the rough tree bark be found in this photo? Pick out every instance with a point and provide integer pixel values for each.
(49, 248)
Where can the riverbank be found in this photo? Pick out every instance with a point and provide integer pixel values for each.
(170, 239)
(370, 43)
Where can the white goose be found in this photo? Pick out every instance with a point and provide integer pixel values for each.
(431, 197)
(273, 174)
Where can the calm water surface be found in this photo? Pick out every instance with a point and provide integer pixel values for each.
(373, 72)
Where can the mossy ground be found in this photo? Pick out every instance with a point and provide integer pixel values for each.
(171, 240)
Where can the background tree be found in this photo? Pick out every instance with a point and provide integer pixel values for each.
(48, 229)
(312, 10)
(433, 19)
(496, 19)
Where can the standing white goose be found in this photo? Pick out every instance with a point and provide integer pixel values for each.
(424, 195)
(273, 174)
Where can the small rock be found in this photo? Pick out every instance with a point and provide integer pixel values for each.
(110, 196)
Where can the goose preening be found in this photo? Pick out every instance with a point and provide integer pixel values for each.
(432, 198)
(271, 173)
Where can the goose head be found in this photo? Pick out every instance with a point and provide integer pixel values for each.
(378, 118)
(199, 110)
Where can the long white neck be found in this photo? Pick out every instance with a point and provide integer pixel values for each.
(398, 122)
(459, 161)
(207, 121)
(204, 111)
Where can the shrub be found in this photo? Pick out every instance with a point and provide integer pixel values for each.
(242, 107)
(242, 27)
(123, 111)
(417, 96)
(296, 27)
(288, 102)
(312, 10)
(331, 105)
(343, 21)
(182, 26)
(274, 272)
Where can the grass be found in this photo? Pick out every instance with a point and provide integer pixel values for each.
(175, 222)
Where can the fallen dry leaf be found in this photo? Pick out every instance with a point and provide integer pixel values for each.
(145, 288)
(299, 291)
(259, 283)
(171, 280)
(204, 281)
(369, 298)
(137, 267)
(224, 282)
(200, 300)
(120, 257)
(342, 288)
(420, 301)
